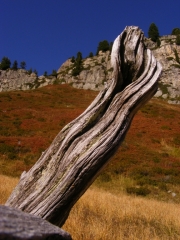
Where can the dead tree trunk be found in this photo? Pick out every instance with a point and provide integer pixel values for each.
(78, 153)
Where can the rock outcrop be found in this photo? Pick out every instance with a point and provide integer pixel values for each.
(20, 79)
(169, 84)
(96, 72)
(18, 225)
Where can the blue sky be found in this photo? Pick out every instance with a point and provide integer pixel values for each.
(44, 33)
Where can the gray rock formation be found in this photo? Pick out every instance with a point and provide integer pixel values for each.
(17, 225)
(169, 83)
(97, 70)
(21, 80)
(95, 74)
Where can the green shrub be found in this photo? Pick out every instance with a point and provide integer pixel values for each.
(142, 191)
(169, 58)
(176, 56)
(176, 65)
(178, 39)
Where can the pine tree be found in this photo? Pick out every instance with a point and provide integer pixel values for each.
(90, 54)
(5, 63)
(15, 65)
(153, 32)
(54, 73)
(103, 46)
(23, 65)
(175, 31)
(77, 68)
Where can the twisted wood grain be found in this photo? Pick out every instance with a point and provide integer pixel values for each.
(83, 147)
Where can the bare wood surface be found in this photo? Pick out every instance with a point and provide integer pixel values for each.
(79, 152)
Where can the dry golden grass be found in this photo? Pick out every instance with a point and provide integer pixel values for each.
(102, 215)
(7, 184)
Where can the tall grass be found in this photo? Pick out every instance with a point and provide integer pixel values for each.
(7, 184)
(102, 215)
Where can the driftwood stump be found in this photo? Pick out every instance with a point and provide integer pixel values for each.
(82, 148)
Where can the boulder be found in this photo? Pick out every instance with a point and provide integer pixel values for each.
(18, 225)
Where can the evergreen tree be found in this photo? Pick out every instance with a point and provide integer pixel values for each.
(110, 46)
(35, 71)
(73, 59)
(45, 73)
(15, 65)
(153, 32)
(54, 73)
(77, 68)
(103, 46)
(5, 63)
(90, 54)
(30, 71)
(175, 31)
(23, 65)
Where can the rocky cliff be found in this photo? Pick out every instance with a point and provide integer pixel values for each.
(21, 80)
(96, 72)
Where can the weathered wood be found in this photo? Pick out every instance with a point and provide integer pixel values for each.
(18, 225)
(79, 152)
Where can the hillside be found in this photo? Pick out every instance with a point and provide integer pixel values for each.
(146, 165)
(149, 158)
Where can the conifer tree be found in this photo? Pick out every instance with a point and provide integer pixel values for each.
(175, 31)
(15, 65)
(5, 63)
(153, 32)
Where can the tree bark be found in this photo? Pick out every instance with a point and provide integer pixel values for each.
(83, 147)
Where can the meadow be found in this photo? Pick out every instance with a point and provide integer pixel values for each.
(137, 194)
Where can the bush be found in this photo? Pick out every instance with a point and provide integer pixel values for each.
(178, 39)
(158, 42)
(142, 191)
(176, 56)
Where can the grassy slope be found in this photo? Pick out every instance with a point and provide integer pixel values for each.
(147, 163)
(100, 214)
